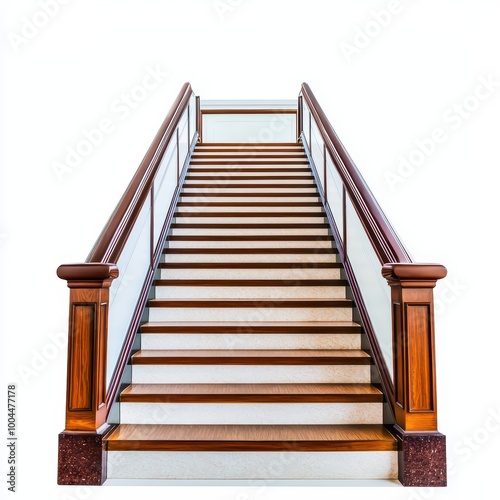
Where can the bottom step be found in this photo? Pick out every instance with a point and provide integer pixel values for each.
(252, 465)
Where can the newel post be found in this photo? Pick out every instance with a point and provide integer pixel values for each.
(81, 452)
(422, 449)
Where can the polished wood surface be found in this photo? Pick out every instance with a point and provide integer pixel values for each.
(251, 438)
(251, 393)
(414, 350)
(230, 303)
(252, 357)
(175, 327)
(251, 265)
(253, 251)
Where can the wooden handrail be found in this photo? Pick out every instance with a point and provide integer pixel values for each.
(382, 236)
(114, 236)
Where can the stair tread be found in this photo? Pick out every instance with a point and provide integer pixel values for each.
(215, 393)
(244, 327)
(251, 437)
(252, 356)
(231, 251)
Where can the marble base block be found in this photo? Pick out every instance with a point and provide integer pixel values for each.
(422, 459)
(82, 458)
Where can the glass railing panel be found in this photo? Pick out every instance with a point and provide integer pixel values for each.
(134, 263)
(371, 283)
(164, 187)
(316, 148)
(334, 189)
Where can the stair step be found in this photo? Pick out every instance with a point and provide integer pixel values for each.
(238, 230)
(282, 252)
(252, 357)
(261, 256)
(240, 204)
(251, 437)
(246, 215)
(279, 327)
(249, 173)
(251, 161)
(225, 221)
(218, 341)
(251, 393)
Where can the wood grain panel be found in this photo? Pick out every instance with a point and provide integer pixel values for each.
(81, 354)
(420, 361)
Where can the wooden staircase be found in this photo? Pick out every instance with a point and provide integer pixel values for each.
(251, 349)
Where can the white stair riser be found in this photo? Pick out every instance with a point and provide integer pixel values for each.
(250, 244)
(249, 314)
(236, 231)
(287, 274)
(222, 180)
(252, 465)
(250, 220)
(235, 175)
(249, 209)
(250, 374)
(250, 292)
(197, 341)
(208, 198)
(251, 413)
(251, 257)
(257, 191)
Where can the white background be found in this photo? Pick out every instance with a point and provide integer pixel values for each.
(396, 90)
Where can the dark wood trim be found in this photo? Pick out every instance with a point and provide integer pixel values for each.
(221, 184)
(249, 195)
(229, 171)
(278, 327)
(114, 236)
(252, 357)
(251, 204)
(242, 225)
(382, 236)
(229, 176)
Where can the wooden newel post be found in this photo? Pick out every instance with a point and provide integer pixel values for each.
(81, 441)
(415, 404)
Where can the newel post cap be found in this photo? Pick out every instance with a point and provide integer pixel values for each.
(413, 273)
(88, 275)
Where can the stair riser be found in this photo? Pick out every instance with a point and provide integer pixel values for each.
(209, 198)
(251, 341)
(256, 191)
(250, 292)
(297, 258)
(249, 209)
(207, 243)
(222, 181)
(252, 465)
(294, 275)
(229, 175)
(250, 374)
(250, 314)
(251, 413)
(249, 220)
(237, 231)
